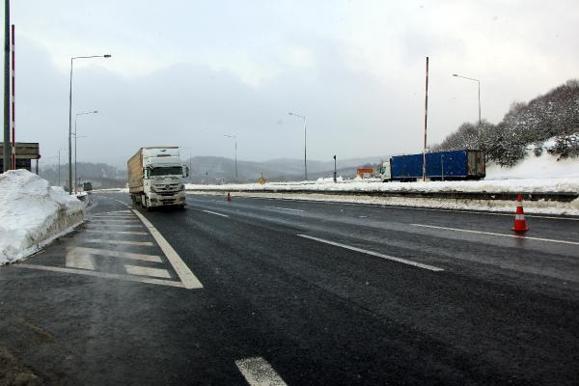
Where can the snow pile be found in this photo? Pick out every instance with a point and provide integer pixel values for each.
(32, 213)
(545, 166)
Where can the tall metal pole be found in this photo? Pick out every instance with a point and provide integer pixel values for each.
(236, 174)
(425, 125)
(479, 112)
(70, 181)
(59, 184)
(305, 150)
(305, 143)
(6, 145)
(13, 156)
(75, 147)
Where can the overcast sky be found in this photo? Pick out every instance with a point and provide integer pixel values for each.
(187, 72)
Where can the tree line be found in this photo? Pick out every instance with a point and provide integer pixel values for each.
(553, 115)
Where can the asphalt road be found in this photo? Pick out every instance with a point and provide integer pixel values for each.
(308, 293)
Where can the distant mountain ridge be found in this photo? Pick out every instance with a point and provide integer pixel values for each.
(211, 169)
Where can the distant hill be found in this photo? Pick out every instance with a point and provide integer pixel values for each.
(219, 169)
(210, 169)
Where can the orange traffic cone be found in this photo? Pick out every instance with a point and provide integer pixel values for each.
(228, 196)
(520, 225)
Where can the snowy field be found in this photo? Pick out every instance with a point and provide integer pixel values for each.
(32, 213)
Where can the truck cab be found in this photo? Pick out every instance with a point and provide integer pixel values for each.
(156, 177)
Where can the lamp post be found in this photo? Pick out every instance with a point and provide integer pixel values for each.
(235, 140)
(305, 144)
(75, 147)
(70, 181)
(478, 85)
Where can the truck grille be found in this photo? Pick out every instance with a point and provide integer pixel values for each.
(167, 189)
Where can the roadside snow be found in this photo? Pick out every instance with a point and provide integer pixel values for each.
(532, 175)
(32, 213)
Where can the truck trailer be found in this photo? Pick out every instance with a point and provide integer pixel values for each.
(156, 177)
(440, 165)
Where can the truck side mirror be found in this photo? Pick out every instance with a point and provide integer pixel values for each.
(146, 173)
(185, 171)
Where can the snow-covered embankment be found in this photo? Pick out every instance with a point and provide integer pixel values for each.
(33, 213)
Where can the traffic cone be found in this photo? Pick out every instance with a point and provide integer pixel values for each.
(228, 196)
(520, 225)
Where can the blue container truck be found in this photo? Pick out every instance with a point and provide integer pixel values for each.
(440, 165)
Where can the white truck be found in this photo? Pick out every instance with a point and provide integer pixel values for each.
(156, 177)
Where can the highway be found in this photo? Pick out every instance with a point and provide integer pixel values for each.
(277, 291)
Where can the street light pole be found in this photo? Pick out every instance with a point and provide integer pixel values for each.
(75, 144)
(70, 181)
(305, 144)
(478, 87)
(235, 140)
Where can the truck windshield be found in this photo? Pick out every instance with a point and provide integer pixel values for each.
(167, 171)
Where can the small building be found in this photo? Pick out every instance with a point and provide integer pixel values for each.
(25, 153)
(365, 172)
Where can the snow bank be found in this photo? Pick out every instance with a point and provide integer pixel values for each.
(32, 213)
(546, 166)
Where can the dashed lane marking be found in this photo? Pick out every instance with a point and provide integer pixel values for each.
(189, 280)
(114, 225)
(83, 251)
(257, 371)
(521, 237)
(107, 221)
(215, 213)
(372, 253)
(105, 275)
(116, 232)
(120, 242)
(147, 271)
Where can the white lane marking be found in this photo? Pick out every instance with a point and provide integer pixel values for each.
(189, 280)
(215, 213)
(257, 371)
(114, 215)
(391, 258)
(498, 234)
(116, 232)
(108, 253)
(103, 275)
(99, 225)
(77, 258)
(288, 209)
(147, 271)
(107, 221)
(119, 211)
(121, 242)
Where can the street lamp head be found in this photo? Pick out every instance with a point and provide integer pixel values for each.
(95, 112)
(107, 56)
(454, 74)
(290, 114)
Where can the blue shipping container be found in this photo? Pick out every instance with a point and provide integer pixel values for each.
(458, 164)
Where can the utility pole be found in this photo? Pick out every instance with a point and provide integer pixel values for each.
(425, 125)
(235, 155)
(6, 146)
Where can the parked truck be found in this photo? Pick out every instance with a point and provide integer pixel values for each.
(156, 177)
(440, 165)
